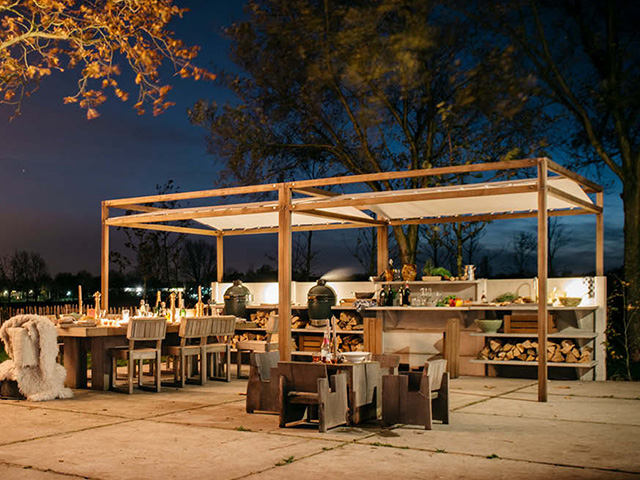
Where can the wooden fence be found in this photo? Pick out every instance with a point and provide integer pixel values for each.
(7, 312)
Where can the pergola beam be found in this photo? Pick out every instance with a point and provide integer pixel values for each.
(284, 272)
(578, 202)
(489, 217)
(171, 228)
(220, 259)
(344, 217)
(425, 172)
(376, 198)
(141, 208)
(104, 259)
(193, 213)
(543, 265)
(315, 192)
(588, 185)
(169, 197)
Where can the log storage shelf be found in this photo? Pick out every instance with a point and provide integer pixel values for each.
(522, 363)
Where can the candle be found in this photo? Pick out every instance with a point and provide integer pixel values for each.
(172, 300)
(80, 299)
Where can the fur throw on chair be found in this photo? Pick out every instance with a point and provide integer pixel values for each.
(31, 342)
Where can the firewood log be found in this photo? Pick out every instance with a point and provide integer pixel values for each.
(571, 358)
(495, 345)
(557, 357)
(527, 344)
(566, 346)
(507, 347)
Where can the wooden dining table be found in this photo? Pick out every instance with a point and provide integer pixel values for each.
(78, 341)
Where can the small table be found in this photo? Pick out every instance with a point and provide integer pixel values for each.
(97, 340)
(363, 388)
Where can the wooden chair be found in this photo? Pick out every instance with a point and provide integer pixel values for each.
(262, 387)
(388, 363)
(140, 330)
(307, 388)
(269, 344)
(222, 328)
(416, 398)
(193, 335)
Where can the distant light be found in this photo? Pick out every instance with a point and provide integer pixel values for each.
(68, 293)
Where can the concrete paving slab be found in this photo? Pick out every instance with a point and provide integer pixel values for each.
(578, 409)
(533, 440)
(458, 399)
(365, 461)
(27, 473)
(233, 416)
(489, 386)
(22, 422)
(142, 404)
(630, 390)
(142, 449)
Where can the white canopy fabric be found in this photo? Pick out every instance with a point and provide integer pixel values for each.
(270, 219)
(474, 199)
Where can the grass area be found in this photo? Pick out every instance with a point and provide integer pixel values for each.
(3, 354)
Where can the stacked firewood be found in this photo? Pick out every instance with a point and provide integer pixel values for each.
(527, 351)
(261, 316)
(349, 321)
(245, 336)
(350, 343)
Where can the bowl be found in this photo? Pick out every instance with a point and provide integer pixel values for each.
(364, 295)
(570, 301)
(489, 326)
(355, 357)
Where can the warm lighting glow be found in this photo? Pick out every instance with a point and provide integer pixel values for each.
(575, 288)
(271, 293)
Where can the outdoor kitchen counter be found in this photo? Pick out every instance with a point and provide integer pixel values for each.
(418, 333)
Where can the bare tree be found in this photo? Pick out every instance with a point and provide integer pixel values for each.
(198, 261)
(27, 273)
(303, 255)
(558, 238)
(524, 244)
(365, 250)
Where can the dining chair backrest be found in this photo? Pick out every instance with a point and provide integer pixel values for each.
(302, 376)
(223, 325)
(195, 327)
(435, 369)
(147, 328)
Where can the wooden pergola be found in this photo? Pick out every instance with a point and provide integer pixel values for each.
(564, 193)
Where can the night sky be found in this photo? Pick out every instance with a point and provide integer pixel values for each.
(57, 167)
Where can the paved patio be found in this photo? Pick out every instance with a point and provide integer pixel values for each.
(498, 431)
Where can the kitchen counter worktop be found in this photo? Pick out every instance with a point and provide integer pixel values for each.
(516, 307)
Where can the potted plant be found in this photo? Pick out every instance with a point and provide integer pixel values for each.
(433, 273)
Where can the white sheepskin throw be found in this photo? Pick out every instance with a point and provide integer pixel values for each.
(31, 342)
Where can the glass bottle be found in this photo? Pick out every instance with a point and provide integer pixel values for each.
(406, 295)
(382, 299)
(325, 350)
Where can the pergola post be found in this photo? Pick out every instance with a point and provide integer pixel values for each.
(543, 254)
(383, 248)
(284, 272)
(600, 235)
(220, 257)
(104, 263)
